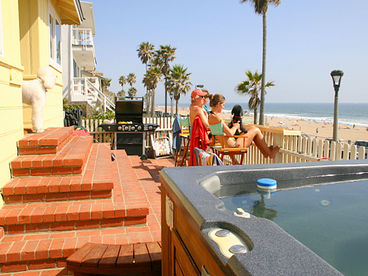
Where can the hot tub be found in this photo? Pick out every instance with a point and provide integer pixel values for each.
(204, 234)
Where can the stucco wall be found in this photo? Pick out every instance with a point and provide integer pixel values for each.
(35, 52)
(11, 113)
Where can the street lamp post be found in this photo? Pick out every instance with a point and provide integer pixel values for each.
(336, 79)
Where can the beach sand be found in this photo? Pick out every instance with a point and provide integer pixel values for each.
(311, 128)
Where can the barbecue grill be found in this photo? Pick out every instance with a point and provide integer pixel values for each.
(129, 130)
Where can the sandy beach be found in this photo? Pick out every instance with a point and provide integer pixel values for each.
(311, 128)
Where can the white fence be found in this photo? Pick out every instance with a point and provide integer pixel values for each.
(294, 147)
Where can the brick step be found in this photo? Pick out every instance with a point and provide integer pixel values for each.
(50, 250)
(72, 215)
(69, 160)
(48, 142)
(95, 182)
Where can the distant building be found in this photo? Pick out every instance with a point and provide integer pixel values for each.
(82, 82)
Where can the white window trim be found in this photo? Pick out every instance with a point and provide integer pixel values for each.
(56, 19)
(1, 33)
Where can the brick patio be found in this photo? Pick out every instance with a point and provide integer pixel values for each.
(66, 192)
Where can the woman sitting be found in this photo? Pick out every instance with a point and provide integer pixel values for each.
(217, 103)
(199, 124)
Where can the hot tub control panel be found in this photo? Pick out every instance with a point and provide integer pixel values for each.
(228, 242)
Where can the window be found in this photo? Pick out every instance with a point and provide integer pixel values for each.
(1, 33)
(55, 37)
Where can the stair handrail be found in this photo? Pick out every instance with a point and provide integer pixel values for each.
(101, 96)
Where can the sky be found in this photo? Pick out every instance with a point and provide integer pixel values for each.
(218, 40)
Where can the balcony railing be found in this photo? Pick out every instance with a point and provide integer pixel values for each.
(82, 37)
(88, 90)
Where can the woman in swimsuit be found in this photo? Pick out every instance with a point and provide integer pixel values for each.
(217, 103)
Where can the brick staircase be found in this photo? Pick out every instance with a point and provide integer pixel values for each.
(65, 192)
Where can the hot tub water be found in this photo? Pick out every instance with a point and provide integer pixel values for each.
(332, 220)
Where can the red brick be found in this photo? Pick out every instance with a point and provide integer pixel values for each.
(85, 212)
(77, 170)
(108, 210)
(25, 215)
(28, 252)
(5, 246)
(57, 197)
(47, 150)
(38, 227)
(96, 211)
(13, 199)
(16, 164)
(49, 142)
(40, 171)
(37, 215)
(12, 217)
(61, 263)
(133, 221)
(87, 224)
(21, 172)
(69, 247)
(55, 272)
(33, 197)
(49, 214)
(27, 151)
(13, 267)
(19, 228)
(42, 251)
(74, 162)
(62, 226)
(56, 248)
(79, 195)
(101, 194)
(73, 213)
(13, 254)
(60, 213)
(112, 222)
(61, 170)
(137, 212)
(42, 264)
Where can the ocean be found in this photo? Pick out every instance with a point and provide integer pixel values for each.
(349, 113)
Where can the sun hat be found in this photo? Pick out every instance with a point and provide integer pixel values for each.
(198, 92)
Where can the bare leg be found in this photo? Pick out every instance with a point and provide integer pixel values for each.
(255, 134)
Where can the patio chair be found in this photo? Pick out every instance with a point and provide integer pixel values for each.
(182, 153)
(219, 146)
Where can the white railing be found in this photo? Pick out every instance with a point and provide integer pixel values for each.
(87, 90)
(294, 147)
(100, 97)
(82, 37)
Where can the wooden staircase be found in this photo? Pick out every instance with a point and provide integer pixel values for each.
(65, 192)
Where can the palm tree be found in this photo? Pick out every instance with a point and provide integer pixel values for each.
(150, 81)
(145, 53)
(122, 82)
(161, 59)
(261, 7)
(178, 83)
(251, 86)
(105, 83)
(132, 91)
(131, 79)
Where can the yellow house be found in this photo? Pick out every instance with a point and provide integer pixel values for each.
(29, 38)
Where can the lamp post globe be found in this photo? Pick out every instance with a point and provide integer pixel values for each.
(336, 76)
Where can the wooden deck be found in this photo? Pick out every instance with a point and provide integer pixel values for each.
(141, 258)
